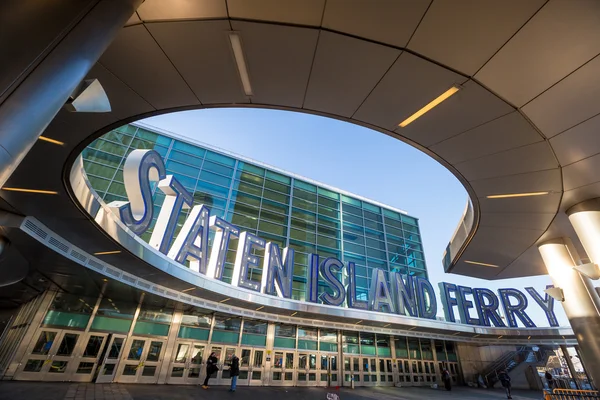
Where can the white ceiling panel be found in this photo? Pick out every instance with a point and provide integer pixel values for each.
(387, 21)
(561, 37)
(137, 60)
(344, 71)
(411, 83)
(530, 158)
(299, 12)
(470, 107)
(161, 10)
(569, 102)
(134, 19)
(578, 142)
(501, 134)
(582, 193)
(531, 204)
(539, 181)
(581, 173)
(464, 34)
(279, 61)
(529, 263)
(536, 221)
(204, 58)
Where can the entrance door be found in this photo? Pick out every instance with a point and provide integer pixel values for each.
(187, 364)
(141, 360)
(329, 374)
(404, 371)
(306, 374)
(386, 372)
(56, 356)
(369, 371)
(251, 367)
(282, 371)
(352, 370)
(223, 375)
(111, 359)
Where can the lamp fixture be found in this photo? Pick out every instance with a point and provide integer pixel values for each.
(260, 308)
(359, 322)
(413, 328)
(385, 326)
(188, 289)
(225, 300)
(53, 141)
(456, 333)
(500, 337)
(105, 253)
(477, 335)
(240, 61)
(435, 102)
(294, 313)
(11, 189)
(528, 337)
(511, 195)
(482, 264)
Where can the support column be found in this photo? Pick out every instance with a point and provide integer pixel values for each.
(580, 301)
(28, 110)
(567, 357)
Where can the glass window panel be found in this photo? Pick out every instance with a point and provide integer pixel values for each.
(136, 349)
(185, 158)
(353, 238)
(253, 169)
(376, 244)
(414, 348)
(278, 197)
(305, 186)
(276, 186)
(374, 225)
(177, 167)
(270, 227)
(302, 235)
(197, 354)
(307, 333)
(212, 189)
(227, 323)
(288, 331)
(375, 253)
(328, 193)
(93, 346)
(352, 219)
(275, 207)
(217, 179)
(218, 168)
(351, 247)
(247, 188)
(304, 204)
(44, 343)
(245, 198)
(191, 318)
(256, 327)
(67, 345)
(154, 351)
(181, 353)
(325, 201)
(250, 178)
(328, 212)
(372, 216)
(220, 158)
(329, 242)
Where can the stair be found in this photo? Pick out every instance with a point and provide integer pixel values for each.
(511, 360)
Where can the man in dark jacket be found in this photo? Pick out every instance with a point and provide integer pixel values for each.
(505, 381)
(447, 379)
(549, 379)
(211, 368)
(235, 371)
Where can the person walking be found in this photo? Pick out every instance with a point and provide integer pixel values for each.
(550, 380)
(447, 379)
(234, 369)
(505, 382)
(211, 368)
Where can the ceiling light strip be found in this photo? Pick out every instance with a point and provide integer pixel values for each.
(23, 190)
(53, 141)
(104, 253)
(240, 61)
(435, 102)
(510, 195)
(482, 264)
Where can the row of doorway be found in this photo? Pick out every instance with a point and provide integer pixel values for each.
(66, 355)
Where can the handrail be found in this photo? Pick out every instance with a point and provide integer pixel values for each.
(571, 394)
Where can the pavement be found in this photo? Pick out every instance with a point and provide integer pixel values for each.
(11, 390)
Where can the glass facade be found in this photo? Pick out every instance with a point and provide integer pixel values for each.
(284, 209)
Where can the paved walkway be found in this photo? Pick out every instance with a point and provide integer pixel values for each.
(88, 391)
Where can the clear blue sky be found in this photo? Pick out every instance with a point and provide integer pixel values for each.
(356, 159)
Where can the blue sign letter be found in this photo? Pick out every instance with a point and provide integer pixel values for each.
(426, 298)
(379, 294)
(277, 276)
(517, 310)
(218, 253)
(464, 305)
(487, 310)
(404, 294)
(312, 281)
(244, 259)
(329, 268)
(353, 302)
(547, 304)
(192, 241)
(448, 302)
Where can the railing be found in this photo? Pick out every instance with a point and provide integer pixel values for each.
(509, 361)
(571, 394)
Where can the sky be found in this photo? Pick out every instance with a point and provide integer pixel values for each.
(356, 159)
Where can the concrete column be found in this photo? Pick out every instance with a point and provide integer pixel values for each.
(580, 301)
(29, 108)
(572, 372)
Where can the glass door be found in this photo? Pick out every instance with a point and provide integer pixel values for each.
(51, 357)
(251, 367)
(111, 359)
(187, 363)
(329, 374)
(141, 361)
(306, 374)
(430, 373)
(223, 375)
(369, 371)
(352, 370)
(87, 357)
(386, 372)
(282, 371)
(404, 372)
(418, 373)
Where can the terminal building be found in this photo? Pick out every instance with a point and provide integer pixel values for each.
(128, 255)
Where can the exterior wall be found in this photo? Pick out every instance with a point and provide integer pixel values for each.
(474, 358)
(280, 207)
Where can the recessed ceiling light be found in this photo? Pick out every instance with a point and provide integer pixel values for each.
(528, 337)
(482, 264)
(413, 328)
(225, 300)
(476, 335)
(260, 308)
(510, 195)
(385, 326)
(188, 289)
(500, 337)
(294, 313)
(456, 333)
(430, 105)
(238, 54)
(358, 322)
(104, 280)
(53, 141)
(11, 189)
(104, 253)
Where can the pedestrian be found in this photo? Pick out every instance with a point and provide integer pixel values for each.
(234, 369)
(211, 368)
(505, 381)
(549, 379)
(447, 379)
